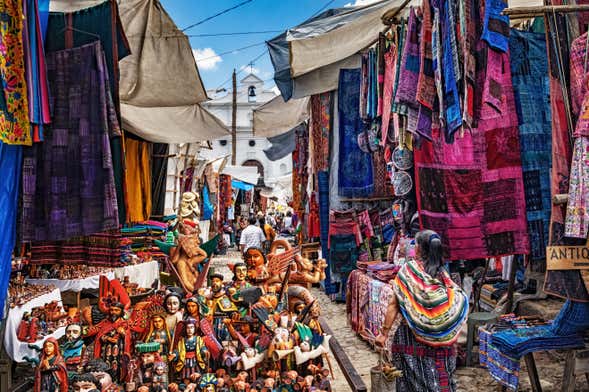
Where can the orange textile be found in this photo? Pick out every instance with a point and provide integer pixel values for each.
(138, 180)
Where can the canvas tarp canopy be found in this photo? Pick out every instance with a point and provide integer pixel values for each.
(326, 39)
(160, 86)
(247, 174)
(276, 117)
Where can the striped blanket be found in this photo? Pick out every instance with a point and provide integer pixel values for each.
(435, 309)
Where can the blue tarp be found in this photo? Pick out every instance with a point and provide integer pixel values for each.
(244, 186)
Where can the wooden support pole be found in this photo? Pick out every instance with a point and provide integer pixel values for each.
(533, 372)
(234, 121)
(511, 286)
(541, 10)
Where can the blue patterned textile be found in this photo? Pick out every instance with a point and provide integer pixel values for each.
(529, 72)
(323, 186)
(355, 167)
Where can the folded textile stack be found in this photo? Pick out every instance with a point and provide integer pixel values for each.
(140, 238)
(520, 341)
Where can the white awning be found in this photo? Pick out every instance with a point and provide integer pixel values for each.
(276, 117)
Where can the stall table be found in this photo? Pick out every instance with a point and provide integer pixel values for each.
(16, 349)
(75, 285)
(143, 274)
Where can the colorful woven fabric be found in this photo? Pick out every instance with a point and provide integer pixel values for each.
(390, 59)
(225, 195)
(100, 22)
(424, 368)
(451, 73)
(323, 190)
(409, 69)
(355, 167)
(565, 284)
(36, 71)
(138, 179)
(518, 342)
(101, 249)
(68, 183)
(426, 85)
(504, 369)
(579, 91)
(300, 175)
(435, 309)
(529, 70)
(577, 212)
(471, 191)
(14, 107)
(320, 129)
(496, 25)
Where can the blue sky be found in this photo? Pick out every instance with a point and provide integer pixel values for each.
(257, 15)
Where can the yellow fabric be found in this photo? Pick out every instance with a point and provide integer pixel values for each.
(138, 180)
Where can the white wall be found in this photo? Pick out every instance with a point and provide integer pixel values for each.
(221, 106)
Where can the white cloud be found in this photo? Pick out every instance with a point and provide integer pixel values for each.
(206, 58)
(361, 2)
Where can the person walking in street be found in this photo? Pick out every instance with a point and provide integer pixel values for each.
(252, 236)
(269, 233)
(423, 346)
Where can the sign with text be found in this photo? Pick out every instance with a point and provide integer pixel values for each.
(567, 257)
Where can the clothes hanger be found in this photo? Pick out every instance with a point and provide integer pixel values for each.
(72, 28)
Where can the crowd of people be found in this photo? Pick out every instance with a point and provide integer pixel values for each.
(260, 230)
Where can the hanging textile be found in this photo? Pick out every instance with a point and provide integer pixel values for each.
(300, 177)
(101, 22)
(390, 60)
(36, 71)
(323, 186)
(496, 25)
(313, 225)
(225, 197)
(208, 207)
(355, 167)
(565, 284)
(426, 88)
(14, 107)
(321, 109)
(68, 183)
(10, 167)
(409, 73)
(471, 191)
(450, 71)
(159, 174)
(577, 213)
(529, 69)
(138, 179)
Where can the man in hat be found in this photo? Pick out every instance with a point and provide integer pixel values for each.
(112, 339)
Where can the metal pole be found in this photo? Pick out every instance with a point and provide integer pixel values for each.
(234, 121)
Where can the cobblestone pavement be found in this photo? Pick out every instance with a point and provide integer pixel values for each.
(550, 365)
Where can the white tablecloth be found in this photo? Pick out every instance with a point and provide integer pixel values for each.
(77, 285)
(14, 347)
(143, 274)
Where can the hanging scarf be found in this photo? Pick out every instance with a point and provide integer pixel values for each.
(435, 309)
(496, 26)
(14, 106)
